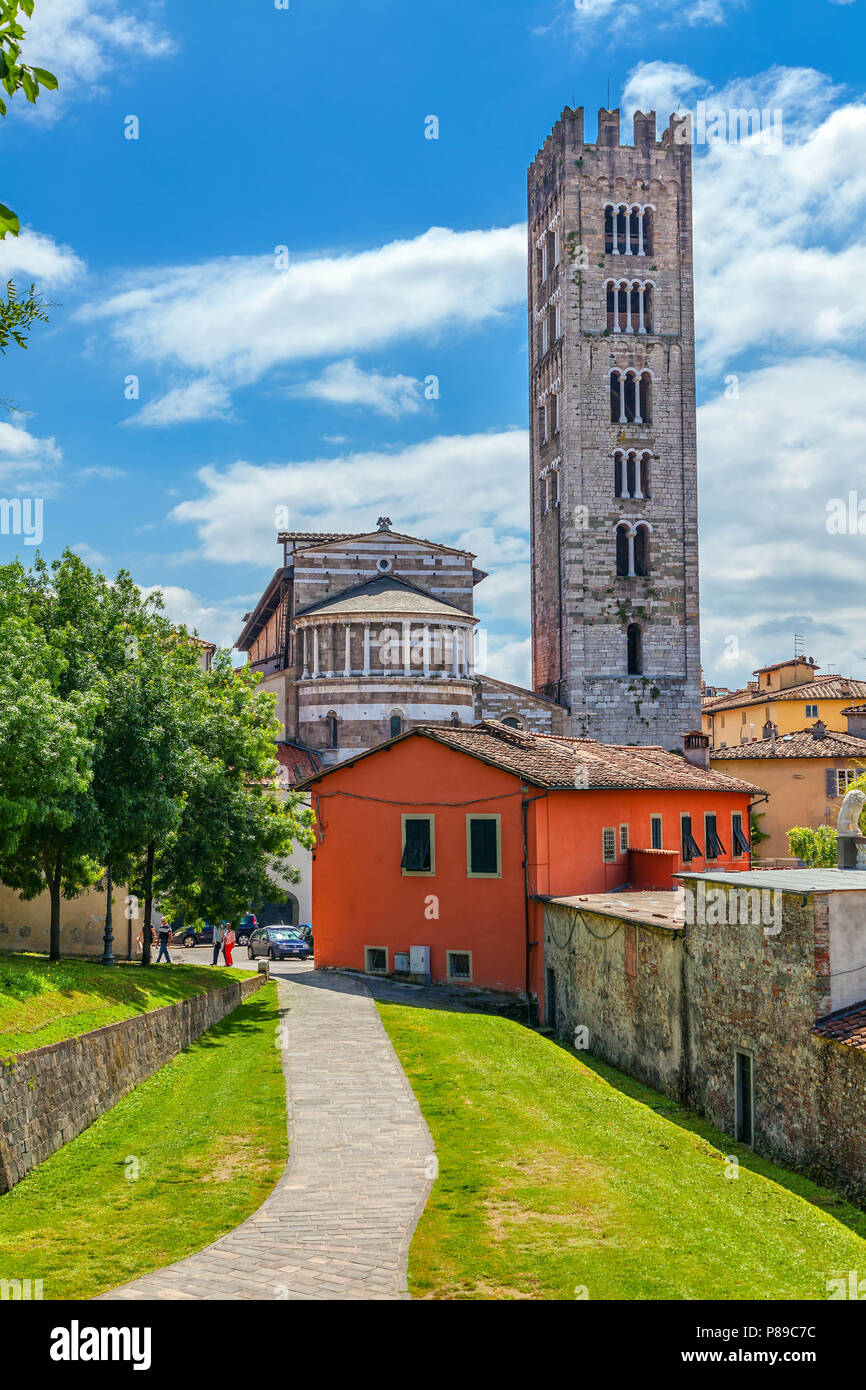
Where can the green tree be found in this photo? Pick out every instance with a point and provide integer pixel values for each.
(18, 315)
(143, 762)
(816, 848)
(46, 758)
(235, 836)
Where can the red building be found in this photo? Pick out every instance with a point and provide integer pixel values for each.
(449, 839)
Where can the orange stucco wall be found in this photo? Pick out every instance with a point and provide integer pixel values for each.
(362, 898)
(360, 895)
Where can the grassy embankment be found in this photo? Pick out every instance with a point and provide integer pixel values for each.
(185, 1157)
(561, 1178)
(44, 1001)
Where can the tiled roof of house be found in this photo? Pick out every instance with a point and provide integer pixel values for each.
(830, 687)
(548, 760)
(386, 594)
(855, 709)
(845, 1026)
(801, 744)
(299, 763)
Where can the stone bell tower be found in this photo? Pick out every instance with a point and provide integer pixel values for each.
(613, 461)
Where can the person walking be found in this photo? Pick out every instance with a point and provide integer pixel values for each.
(228, 943)
(218, 935)
(164, 934)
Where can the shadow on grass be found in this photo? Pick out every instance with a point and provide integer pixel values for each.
(801, 1184)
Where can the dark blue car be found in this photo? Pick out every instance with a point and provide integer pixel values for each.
(186, 936)
(278, 943)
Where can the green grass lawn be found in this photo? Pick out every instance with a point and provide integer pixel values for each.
(44, 1001)
(556, 1176)
(208, 1135)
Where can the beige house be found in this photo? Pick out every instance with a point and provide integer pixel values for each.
(805, 774)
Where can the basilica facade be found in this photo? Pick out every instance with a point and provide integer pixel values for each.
(362, 637)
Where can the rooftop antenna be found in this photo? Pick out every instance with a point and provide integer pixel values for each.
(608, 94)
(799, 645)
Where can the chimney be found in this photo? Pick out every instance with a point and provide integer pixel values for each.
(819, 729)
(696, 747)
(855, 716)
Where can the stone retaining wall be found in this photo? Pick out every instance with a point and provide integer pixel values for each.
(51, 1094)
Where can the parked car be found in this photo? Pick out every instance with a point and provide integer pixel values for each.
(306, 931)
(189, 936)
(278, 943)
(246, 927)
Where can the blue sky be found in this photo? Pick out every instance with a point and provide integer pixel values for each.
(263, 384)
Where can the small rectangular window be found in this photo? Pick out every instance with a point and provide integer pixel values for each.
(483, 847)
(832, 781)
(845, 777)
(459, 965)
(608, 844)
(419, 852)
(811, 711)
(623, 839)
(655, 832)
(744, 1086)
(376, 960)
(553, 408)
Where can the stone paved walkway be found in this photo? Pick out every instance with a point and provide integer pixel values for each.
(338, 1224)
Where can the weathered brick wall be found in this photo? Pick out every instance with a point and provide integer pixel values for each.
(698, 995)
(51, 1094)
(750, 988)
(580, 608)
(632, 1019)
(498, 700)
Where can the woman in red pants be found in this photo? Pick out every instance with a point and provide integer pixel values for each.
(229, 943)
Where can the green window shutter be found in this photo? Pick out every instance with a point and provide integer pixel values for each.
(483, 854)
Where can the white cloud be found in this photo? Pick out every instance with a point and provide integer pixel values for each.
(607, 18)
(509, 659)
(780, 259)
(27, 463)
(441, 488)
(215, 622)
(33, 255)
(83, 41)
(771, 462)
(198, 400)
(235, 319)
(345, 383)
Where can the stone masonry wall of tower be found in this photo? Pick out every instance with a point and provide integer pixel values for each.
(615, 617)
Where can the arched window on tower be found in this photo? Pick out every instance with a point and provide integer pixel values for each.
(641, 550)
(622, 555)
(396, 724)
(634, 646)
(331, 724)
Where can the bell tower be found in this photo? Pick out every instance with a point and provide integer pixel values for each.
(614, 528)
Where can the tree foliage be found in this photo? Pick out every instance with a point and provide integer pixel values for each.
(816, 848)
(117, 748)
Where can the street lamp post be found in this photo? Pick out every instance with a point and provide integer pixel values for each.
(108, 939)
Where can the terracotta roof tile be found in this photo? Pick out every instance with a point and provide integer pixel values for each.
(845, 1026)
(299, 763)
(830, 687)
(555, 762)
(801, 744)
